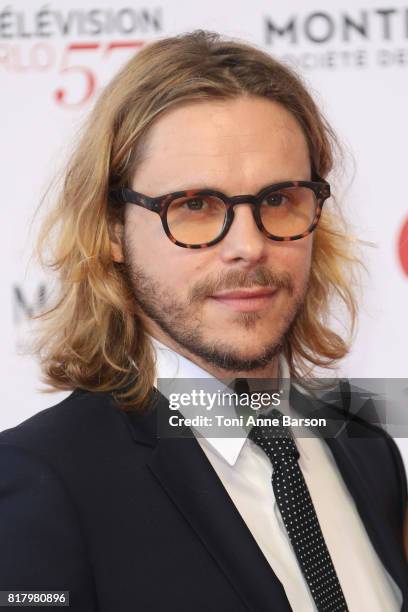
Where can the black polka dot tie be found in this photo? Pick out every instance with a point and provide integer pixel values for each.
(298, 514)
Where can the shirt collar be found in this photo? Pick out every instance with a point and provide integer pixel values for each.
(170, 364)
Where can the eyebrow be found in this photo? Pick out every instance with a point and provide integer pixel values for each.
(204, 186)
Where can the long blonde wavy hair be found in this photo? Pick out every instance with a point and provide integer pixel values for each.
(92, 336)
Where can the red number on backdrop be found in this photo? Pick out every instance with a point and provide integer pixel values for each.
(89, 78)
(123, 44)
(61, 95)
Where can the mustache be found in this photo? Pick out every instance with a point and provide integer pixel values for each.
(241, 279)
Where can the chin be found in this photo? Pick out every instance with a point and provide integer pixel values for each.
(251, 348)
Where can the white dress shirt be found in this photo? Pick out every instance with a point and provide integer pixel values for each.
(245, 471)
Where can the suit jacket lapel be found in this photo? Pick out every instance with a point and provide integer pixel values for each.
(184, 472)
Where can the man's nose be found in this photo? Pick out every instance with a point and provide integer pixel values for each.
(244, 239)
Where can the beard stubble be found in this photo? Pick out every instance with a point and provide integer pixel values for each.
(181, 321)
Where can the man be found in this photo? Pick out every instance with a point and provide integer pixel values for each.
(193, 241)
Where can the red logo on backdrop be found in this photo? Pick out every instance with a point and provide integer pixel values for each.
(403, 247)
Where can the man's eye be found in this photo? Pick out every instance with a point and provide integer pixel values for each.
(275, 199)
(196, 204)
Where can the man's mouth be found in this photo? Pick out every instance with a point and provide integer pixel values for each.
(246, 300)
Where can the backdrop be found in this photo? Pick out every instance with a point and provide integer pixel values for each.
(54, 60)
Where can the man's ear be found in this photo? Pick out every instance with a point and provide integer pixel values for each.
(116, 242)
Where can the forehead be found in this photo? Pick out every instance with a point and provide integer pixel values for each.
(218, 142)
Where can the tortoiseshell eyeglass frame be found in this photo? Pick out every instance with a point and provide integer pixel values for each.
(160, 205)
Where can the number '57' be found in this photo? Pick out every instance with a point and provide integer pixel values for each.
(70, 64)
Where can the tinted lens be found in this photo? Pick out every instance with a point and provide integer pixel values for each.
(288, 212)
(196, 220)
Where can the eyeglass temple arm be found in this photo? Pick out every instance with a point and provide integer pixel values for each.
(123, 195)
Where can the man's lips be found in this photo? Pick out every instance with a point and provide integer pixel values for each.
(245, 293)
(246, 300)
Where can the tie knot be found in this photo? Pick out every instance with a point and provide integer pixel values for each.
(275, 439)
(241, 386)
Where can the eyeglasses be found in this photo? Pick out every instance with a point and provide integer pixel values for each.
(199, 218)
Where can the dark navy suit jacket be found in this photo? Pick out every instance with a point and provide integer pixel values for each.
(92, 502)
